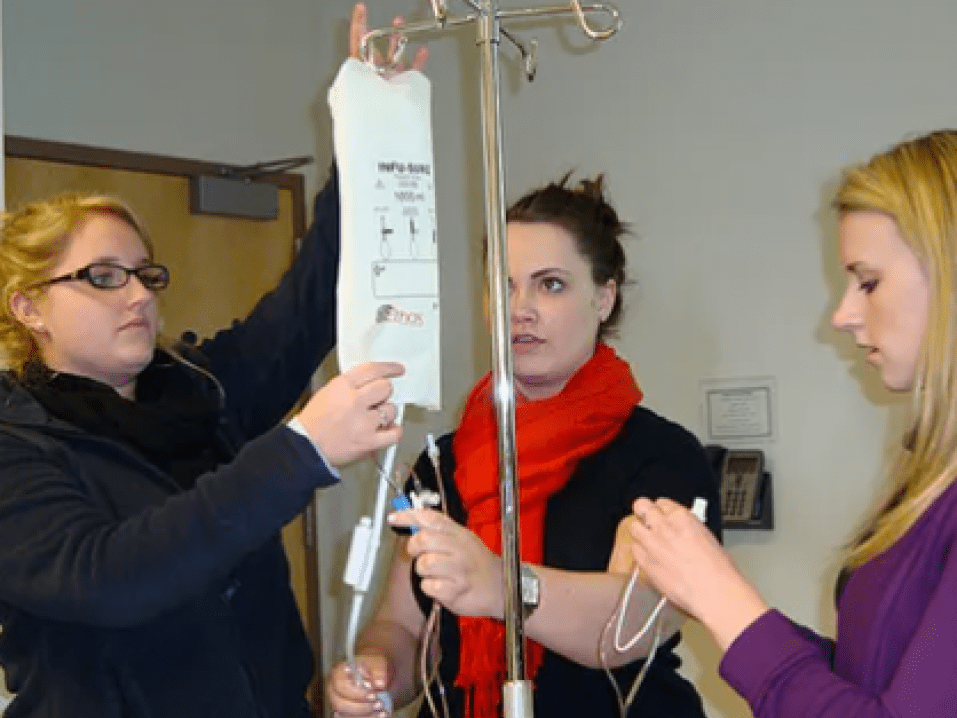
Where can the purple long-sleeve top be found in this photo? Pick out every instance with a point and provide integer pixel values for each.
(896, 648)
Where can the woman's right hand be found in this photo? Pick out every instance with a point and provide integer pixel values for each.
(457, 569)
(353, 690)
(351, 417)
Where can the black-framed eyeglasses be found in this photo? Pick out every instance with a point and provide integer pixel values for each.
(106, 275)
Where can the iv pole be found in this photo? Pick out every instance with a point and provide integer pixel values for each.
(517, 691)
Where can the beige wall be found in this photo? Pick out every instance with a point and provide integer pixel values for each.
(722, 126)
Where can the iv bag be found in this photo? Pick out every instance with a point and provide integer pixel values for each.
(388, 290)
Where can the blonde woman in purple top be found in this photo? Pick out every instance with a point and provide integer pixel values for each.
(896, 648)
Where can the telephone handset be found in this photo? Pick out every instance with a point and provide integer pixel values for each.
(744, 488)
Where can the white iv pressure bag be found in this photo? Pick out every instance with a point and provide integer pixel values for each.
(388, 272)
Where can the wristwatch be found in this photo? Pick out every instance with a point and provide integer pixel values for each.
(530, 591)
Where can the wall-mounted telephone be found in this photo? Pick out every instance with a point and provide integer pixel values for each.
(744, 488)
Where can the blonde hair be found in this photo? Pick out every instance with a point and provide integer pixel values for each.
(915, 183)
(33, 239)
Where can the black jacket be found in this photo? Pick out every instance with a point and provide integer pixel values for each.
(650, 457)
(123, 595)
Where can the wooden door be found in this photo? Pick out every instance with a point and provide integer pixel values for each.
(219, 266)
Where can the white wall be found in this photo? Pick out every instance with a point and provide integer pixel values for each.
(230, 80)
(722, 126)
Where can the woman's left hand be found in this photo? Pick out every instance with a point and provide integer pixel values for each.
(457, 569)
(679, 556)
(359, 27)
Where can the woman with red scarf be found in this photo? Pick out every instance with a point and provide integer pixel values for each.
(586, 450)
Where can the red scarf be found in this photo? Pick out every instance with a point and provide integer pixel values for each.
(551, 436)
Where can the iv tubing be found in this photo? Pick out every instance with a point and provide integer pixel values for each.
(430, 630)
(699, 509)
(621, 617)
(624, 702)
(369, 551)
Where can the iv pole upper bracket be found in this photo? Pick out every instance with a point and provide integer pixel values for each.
(529, 55)
(400, 36)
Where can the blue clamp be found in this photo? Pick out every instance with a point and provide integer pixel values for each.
(401, 502)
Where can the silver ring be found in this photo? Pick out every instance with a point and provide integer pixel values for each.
(384, 418)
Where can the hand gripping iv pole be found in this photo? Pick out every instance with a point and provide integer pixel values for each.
(487, 17)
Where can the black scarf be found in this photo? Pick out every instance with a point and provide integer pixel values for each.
(172, 421)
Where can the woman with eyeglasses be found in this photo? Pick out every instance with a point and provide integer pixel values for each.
(144, 483)
(143, 487)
